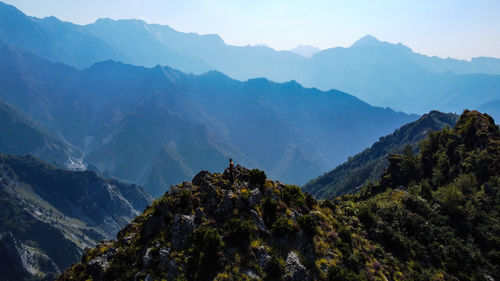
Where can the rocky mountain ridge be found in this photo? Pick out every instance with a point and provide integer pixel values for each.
(419, 222)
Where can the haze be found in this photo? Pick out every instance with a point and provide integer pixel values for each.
(459, 29)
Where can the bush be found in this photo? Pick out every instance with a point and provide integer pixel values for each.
(269, 210)
(257, 177)
(308, 225)
(366, 216)
(207, 239)
(284, 226)
(293, 196)
(337, 273)
(239, 232)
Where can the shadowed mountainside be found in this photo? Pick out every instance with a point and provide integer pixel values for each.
(49, 215)
(369, 164)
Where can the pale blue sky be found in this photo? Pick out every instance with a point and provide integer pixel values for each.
(454, 28)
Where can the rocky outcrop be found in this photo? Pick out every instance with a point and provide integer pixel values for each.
(18, 261)
(182, 227)
(294, 269)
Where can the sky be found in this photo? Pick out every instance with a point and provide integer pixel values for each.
(445, 28)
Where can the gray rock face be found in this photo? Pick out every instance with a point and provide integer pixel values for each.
(164, 256)
(199, 215)
(201, 178)
(173, 270)
(263, 257)
(181, 228)
(255, 197)
(147, 258)
(18, 261)
(211, 193)
(251, 274)
(294, 269)
(258, 221)
(228, 204)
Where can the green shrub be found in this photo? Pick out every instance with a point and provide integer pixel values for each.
(284, 226)
(293, 196)
(269, 207)
(308, 225)
(257, 177)
(239, 232)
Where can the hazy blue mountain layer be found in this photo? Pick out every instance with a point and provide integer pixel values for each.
(48, 215)
(377, 72)
(369, 164)
(156, 126)
(21, 135)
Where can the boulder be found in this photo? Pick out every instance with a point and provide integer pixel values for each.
(261, 226)
(182, 226)
(294, 269)
(201, 178)
(263, 257)
(255, 197)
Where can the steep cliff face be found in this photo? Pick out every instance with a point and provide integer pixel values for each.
(436, 221)
(48, 215)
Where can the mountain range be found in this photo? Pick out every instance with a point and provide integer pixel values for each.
(156, 126)
(418, 83)
(368, 165)
(49, 215)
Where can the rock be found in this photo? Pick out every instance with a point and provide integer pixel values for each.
(173, 270)
(182, 226)
(100, 263)
(294, 269)
(227, 205)
(201, 178)
(211, 195)
(255, 197)
(263, 257)
(20, 262)
(261, 226)
(251, 274)
(147, 259)
(199, 215)
(164, 256)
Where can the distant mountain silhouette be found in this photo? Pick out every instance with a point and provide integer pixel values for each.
(157, 126)
(379, 73)
(305, 50)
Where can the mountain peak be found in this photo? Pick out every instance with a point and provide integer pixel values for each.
(368, 41)
(305, 50)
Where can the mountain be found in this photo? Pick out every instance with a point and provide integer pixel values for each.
(49, 215)
(493, 109)
(305, 50)
(369, 164)
(419, 222)
(377, 72)
(21, 135)
(156, 126)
